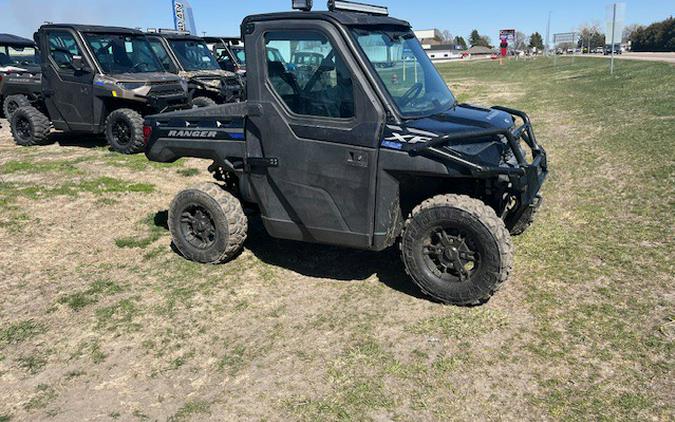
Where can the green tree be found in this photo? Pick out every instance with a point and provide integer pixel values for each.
(658, 37)
(475, 39)
(536, 41)
(460, 42)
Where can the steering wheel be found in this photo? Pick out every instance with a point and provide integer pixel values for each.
(411, 94)
(137, 65)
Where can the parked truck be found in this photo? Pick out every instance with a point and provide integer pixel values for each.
(97, 80)
(357, 155)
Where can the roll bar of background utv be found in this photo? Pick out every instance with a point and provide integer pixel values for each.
(525, 132)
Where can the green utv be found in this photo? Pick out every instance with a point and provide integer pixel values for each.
(97, 80)
(189, 57)
(19, 73)
(348, 153)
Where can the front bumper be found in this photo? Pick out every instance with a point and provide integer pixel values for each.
(526, 178)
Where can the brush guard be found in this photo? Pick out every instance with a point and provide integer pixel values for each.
(526, 178)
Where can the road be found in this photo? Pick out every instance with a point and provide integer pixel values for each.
(652, 57)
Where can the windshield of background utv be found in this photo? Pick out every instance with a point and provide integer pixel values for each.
(194, 55)
(17, 56)
(406, 71)
(117, 53)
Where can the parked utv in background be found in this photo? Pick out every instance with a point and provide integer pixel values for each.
(97, 79)
(229, 52)
(189, 57)
(357, 155)
(19, 73)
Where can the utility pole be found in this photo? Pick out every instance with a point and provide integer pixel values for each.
(611, 63)
(548, 30)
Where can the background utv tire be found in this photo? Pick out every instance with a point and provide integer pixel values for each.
(203, 102)
(456, 249)
(124, 131)
(30, 127)
(13, 103)
(207, 224)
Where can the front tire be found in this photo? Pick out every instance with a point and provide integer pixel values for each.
(30, 127)
(124, 131)
(203, 102)
(456, 249)
(207, 224)
(12, 103)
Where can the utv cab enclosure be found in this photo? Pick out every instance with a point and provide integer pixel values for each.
(229, 52)
(351, 154)
(189, 57)
(19, 73)
(97, 79)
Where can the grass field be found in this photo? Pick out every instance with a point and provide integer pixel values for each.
(101, 320)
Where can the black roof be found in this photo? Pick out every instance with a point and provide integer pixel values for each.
(93, 28)
(344, 18)
(216, 39)
(174, 36)
(13, 40)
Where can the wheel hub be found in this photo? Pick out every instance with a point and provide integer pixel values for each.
(197, 227)
(448, 254)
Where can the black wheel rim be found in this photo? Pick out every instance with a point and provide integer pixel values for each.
(121, 132)
(197, 227)
(23, 128)
(450, 254)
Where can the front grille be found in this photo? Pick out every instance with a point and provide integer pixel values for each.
(166, 93)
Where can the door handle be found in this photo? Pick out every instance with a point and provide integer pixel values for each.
(357, 158)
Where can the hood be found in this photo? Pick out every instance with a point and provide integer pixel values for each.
(216, 73)
(20, 69)
(462, 118)
(146, 77)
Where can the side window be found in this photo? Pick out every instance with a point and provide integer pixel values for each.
(319, 84)
(62, 48)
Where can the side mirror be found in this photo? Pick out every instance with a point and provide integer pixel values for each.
(79, 64)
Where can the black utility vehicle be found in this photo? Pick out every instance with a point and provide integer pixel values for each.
(19, 73)
(229, 52)
(189, 57)
(357, 155)
(97, 79)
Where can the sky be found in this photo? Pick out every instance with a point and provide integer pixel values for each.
(222, 17)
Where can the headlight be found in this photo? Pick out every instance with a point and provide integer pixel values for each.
(131, 85)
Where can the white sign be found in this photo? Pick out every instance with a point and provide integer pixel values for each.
(616, 19)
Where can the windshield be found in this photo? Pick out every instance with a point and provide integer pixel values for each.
(18, 56)
(405, 71)
(123, 53)
(241, 55)
(194, 55)
(162, 54)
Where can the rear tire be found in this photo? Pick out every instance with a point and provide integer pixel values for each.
(456, 249)
(30, 127)
(124, 131)
(207, 224)
(12, 103)
(203, 102)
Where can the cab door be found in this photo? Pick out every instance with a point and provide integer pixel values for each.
(312, 134)
(68, 92)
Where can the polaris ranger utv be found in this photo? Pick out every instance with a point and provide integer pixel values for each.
(188, 56)
(97, 79)
(357, 155)
(19, 73)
